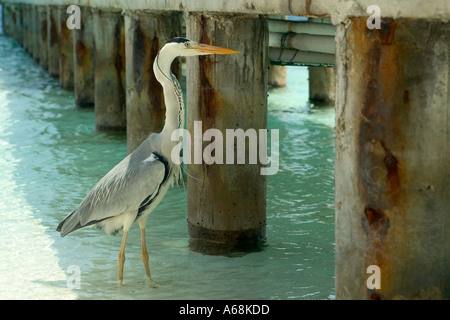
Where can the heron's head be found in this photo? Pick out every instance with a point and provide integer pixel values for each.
(186, 48)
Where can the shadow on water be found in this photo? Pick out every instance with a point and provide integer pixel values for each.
(58, 157)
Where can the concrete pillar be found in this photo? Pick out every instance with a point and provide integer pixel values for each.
(277, 76)
(35, 34)
(65, 50)
(25, 25)
(43, 45)
(30, 32)
(2, 18)
(9, 19)
(18, 32)
(321, 84)
(53, 40)
(227, 202)
(146, 33)
(83, 44)
(109, 39)
(6, 7)
(392, 160)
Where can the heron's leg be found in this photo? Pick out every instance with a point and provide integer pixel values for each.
(145, 255)
(122, 256)
(142, 223)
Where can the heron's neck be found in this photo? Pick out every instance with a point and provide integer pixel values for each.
(173, 96)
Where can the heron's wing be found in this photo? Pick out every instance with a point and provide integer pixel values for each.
(123, 189)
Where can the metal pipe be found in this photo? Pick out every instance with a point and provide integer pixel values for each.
(304, 42)
(302, 27)
(298, 57)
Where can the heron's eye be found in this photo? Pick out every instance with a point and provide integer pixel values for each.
(187, 44)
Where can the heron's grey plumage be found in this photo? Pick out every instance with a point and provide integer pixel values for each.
(139, 176)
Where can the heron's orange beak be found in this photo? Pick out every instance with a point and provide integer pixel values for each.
(206, 48)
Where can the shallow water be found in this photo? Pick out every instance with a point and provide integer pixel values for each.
(51, 155)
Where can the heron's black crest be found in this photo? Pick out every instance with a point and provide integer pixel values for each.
(178, 40)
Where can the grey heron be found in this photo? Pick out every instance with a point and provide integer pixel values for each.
(136, 185)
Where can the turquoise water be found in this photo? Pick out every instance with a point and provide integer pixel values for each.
(51, 155)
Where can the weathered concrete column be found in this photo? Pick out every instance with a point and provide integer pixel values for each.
(29, 31)
(109, 39)
(6, 12)
(277, 76)
(53, 40)
(227, 202)
(18, 32)
(321, 84)
(43, 45)
(146, 33)
(83, 45)
(65, 50)
(2, 14)
(35, 34)
(25, 25)
(10, 20)
(392, 160)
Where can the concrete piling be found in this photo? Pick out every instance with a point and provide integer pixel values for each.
(227, 203)
(35, 34)
(10, 20)
(4, 14)
(25, 25)
(83, 44)
(321, 84)
(7, 18)
(53, 40)
(28, 30)
(392, 195)
(146, 33)
(277, 76)
(43, 38)
(18, 32)
(65, 50)
(109, 39)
